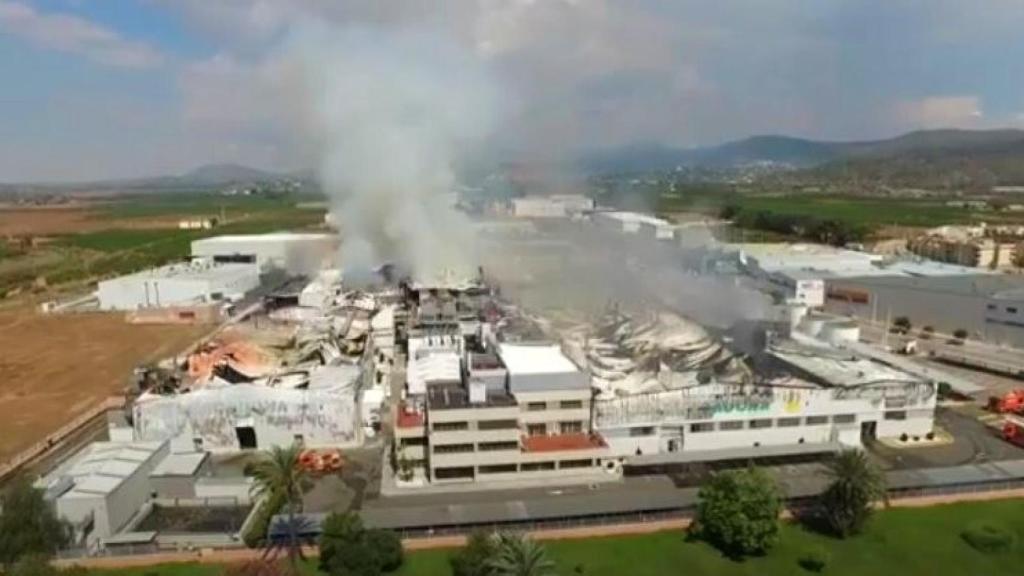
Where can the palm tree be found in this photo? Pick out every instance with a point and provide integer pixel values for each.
(520, 556)
(278, 474)
(856, 484)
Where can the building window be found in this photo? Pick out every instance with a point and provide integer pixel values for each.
(497, 469)
(413, 442)
(896, 415)
(817, 420)
(787, 422)
(570, 404)
(453, 473)
(450, 426)
(760, 423)
(642, 431)
(535, 466)
(497, 424)
(1011, 310)
(453, 448)
(702, 427)
(731, 425)
(492, 446)
(844, 418)
(571, 427)
(536, 429)
(991, 306)
(575, 464)
(536, 406)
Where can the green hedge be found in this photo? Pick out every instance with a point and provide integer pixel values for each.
(988, 538)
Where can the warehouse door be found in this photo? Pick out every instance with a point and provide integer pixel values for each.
(246, 437)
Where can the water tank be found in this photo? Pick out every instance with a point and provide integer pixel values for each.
(838, 332)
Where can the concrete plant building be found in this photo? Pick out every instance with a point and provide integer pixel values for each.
(183, 284)
(291, 252)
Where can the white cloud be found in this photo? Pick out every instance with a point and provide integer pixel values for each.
(941, 112)
(75, 35)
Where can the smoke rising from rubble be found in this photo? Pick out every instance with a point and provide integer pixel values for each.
(396, 110)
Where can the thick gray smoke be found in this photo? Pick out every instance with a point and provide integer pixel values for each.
(396, 111)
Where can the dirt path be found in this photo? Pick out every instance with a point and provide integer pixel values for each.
(444, 542)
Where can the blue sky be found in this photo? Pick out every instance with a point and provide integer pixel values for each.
(112, 88)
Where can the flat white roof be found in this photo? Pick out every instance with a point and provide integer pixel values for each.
(195, 270)
(535, 359)
(103, 466)
(269, 237)
(184, 464)
(637, 217)
(438, 366)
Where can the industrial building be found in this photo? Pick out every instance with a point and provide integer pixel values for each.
(487, 398)
(102, 487)
(635, 223)
(189, 283)
(989, 306)
(291, 252)
(820, 394)
(554, 206)
(520, 413)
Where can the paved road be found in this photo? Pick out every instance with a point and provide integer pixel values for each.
(982, 354)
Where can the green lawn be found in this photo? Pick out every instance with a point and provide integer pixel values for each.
(906, 542)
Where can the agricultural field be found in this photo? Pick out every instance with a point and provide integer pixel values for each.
(66, 246)
(905, 541)
(54, 368)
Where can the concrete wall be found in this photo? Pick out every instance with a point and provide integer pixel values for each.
(324, 418)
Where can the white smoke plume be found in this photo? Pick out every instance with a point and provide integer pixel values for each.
(395, 112)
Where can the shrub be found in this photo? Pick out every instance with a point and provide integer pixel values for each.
(945, 389)
(738, 512)
(474, 558)
(988, 538)
(387, 546)
(814, 559)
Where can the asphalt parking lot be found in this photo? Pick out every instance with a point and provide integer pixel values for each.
(973, 442)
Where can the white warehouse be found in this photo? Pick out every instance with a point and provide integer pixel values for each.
(292, 252)
(187, 283)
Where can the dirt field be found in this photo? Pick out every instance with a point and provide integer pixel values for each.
(55, 367)
(49, 220)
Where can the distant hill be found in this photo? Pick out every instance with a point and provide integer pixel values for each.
(220, 174)
(928, 157)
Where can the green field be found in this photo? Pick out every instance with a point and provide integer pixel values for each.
(126, 246)
(905, 542)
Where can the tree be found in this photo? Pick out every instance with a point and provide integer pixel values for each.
(902, 324)
(738, 512)
(960, 334)
(387, 546)
(349, 549)
(520, 556)
(278, 474)
(28, 525)
(856, 484)
(474, 559)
